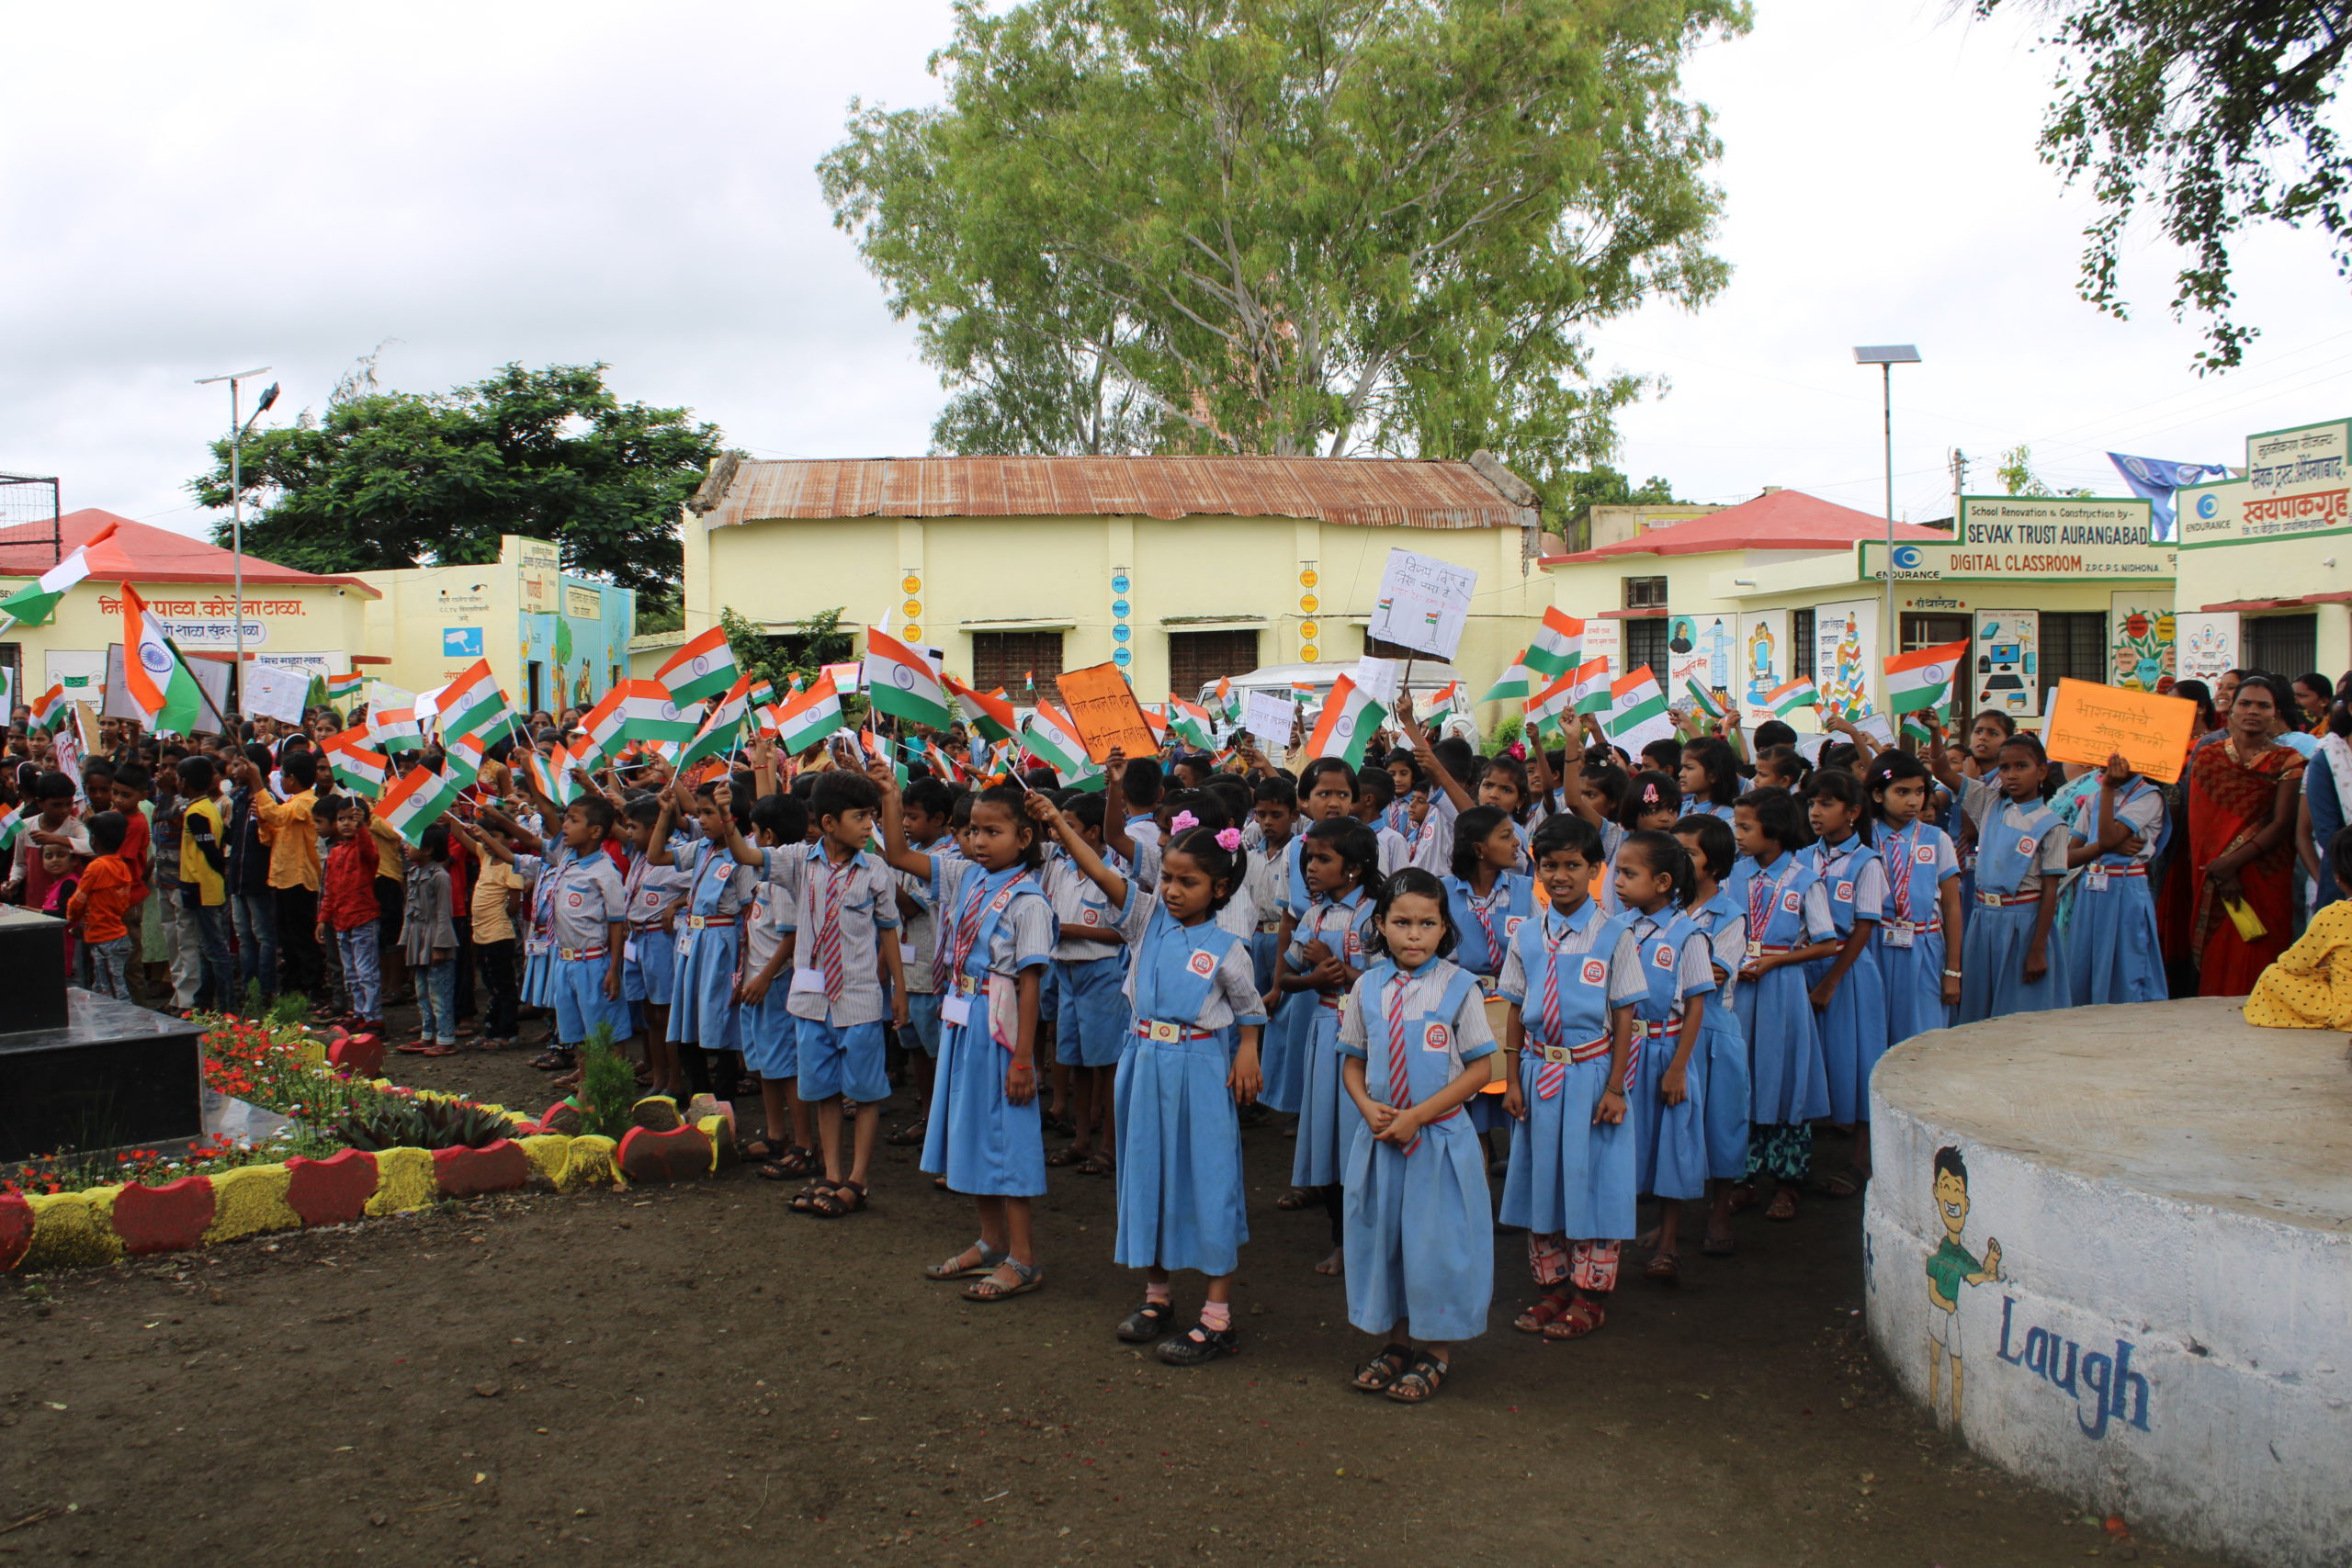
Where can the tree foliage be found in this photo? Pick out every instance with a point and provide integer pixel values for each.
(2017, 478)
(813, 642)
(385, 478)
(1290, 227)
(2214, 112)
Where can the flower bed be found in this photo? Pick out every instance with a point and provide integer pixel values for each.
(64, 1212)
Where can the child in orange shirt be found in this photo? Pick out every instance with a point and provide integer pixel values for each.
(108, 892)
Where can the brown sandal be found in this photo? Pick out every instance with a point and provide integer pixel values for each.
(1548, 1311)
(1665, 1269)
(1375, 1375)
(995, 1287)
(1419, 1383)
(956, 1268)
(1784, 1205)
(1299, 1198)
(1584, 1315)
(844, 1197)
(805, 1200)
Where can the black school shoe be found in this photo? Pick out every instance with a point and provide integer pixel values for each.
(1201, 1346)
(1146, 1323)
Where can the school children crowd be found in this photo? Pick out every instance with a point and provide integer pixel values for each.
(1593, 978)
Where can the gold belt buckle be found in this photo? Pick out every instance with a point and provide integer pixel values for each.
(1164, 1033)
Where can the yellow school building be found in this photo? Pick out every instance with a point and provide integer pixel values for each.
(2266, 558)
(1179, 571)
(553, 639)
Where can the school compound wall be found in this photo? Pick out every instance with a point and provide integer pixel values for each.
(2167, 1331)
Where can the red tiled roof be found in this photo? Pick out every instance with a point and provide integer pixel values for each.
(1778, 520)
(138, 553)
(1369, 492)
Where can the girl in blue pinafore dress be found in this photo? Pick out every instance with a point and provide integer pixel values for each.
(2011, 960)
(710, 940)
(1293, 1012)
(1573, 981)
(1667, 1104)
(2112, 950)
(1923, 909)
(1189, 1067)
(1325, 960)
(1488, 900)
(1789, 925)
(1723, 1048)
(1853, 1016)
(1709, 778)
(1418, 1222)
(986, 1134)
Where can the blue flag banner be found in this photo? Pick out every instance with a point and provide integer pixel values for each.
(2154, 480)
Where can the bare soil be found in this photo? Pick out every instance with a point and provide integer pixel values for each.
(694, 1374)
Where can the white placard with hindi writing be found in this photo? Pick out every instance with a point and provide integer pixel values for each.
(1269, 716)
(1376, 678)
(1424, 603)
(276, 694)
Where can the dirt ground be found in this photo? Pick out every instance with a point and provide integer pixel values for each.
(695, 1374)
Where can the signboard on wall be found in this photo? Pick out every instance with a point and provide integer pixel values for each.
(583, 604)
(1938, 562)
(2205, 645)
(1606, 640)
(2295, 485)
(2140, 642)
(2003, 663)
(2052, 522)
(1700, 647)
(1763, 659)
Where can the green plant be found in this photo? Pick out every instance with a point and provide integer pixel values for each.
(607, 1084)
(417, 1122)
(1500, 740)
(290, 1010)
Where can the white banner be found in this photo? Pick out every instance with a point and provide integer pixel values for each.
(276, 694)
(1424, 603)
(2205, 645)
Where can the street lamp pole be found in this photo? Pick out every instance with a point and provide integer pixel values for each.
(237, 503)
(1886, 356)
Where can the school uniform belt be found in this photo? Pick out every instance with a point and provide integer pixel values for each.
(1917, 927)
(569, 953)
(1673, 1025)
(1551, 1055)
(1162, 1033)
(707, 922)
(1763, 947)
(2113, 871)
(2003, 900)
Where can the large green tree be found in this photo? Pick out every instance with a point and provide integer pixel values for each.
(2215, 114)
(384, 479)
(1315, 227)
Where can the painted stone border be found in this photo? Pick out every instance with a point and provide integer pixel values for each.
(101, 1225)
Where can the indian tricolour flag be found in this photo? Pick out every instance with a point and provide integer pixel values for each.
(1709, 703)
(635, 710)
(355, 762)
(1052, 737)
(35, 601)
(1227, 704)
(991, 713)
(703, 669)
(411, 803)
(1448, 698)
(720, 732)
(1553, 704)
(809, 716)
(51, 709)
(463, 758)
(1800, 692)
(551, 775)
(1916, 681)
(1516, 686)
(1190, 720)
(1346, 725)
(11, 825)
(901, 683)
(345, 688)
(472, 702)
(162, 687)
(1592, 685)
(1636, 711)
(394, 730)
(1558, 647)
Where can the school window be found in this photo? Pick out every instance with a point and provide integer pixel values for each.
(1645, 594)
(2284, 645)
(1646, 643)
(1799, 643)
(1203, 659)
(1009, 658)
(2074, 647)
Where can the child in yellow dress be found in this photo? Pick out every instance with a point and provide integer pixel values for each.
(2309, 985)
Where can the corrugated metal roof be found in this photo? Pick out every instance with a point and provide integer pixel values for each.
(1364, 492)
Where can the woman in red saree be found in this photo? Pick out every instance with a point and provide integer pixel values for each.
(2243, 790)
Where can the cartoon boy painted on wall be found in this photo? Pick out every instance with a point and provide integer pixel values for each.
(1950, 1267)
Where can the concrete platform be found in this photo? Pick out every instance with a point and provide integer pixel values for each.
(2148, 1246)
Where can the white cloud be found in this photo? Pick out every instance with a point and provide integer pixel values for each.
(192, 191)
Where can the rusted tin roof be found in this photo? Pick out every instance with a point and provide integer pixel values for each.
(1366, 493)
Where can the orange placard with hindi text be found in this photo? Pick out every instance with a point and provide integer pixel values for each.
(2090, 722)
(1103, 708)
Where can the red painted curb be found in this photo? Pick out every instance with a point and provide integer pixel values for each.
(333, 1190)
(170, 1218)
(645, 1157)
(467, 1173)
(15, 1229)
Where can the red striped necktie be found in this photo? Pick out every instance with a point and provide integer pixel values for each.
(1400, 1082)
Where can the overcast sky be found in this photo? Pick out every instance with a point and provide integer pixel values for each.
(188, 190)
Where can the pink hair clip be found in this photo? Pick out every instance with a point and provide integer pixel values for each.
(1184, 822)
(1229, 839)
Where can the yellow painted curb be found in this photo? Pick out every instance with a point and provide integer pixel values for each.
(249, 1200)
(73, 1230)
(404, 1181)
